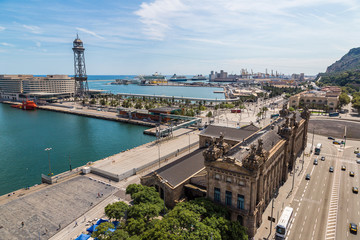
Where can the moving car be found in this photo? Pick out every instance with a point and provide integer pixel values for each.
(331, 138)
(355, 189)
(343, 167)
(316, 162)
(336, 142)
(331, 169)
(351, 173)
(322, 158)
(353, 228)
(307, 177)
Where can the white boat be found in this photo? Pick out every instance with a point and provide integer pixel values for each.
(176, 78)
(198, 77)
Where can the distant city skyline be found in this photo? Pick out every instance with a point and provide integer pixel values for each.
(176, 36)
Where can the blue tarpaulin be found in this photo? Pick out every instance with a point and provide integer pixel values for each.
(116, 223)
(101, 221)
(92, 228)
(83, 237)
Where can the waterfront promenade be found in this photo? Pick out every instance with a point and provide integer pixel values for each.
(60, 201)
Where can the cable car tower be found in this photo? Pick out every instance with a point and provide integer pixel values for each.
(81, 84)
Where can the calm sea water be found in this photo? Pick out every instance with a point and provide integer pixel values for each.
(25, 134)
(176, 91)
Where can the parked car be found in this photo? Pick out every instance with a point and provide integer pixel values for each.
(355, 190)
(331, 169)
(358, 161)
(331, 138)
(343, 167)
(336, 142)
(351, 174)
(322, 158)
(316, 162)
(307, 176)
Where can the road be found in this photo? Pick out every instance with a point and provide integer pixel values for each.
(325, 205)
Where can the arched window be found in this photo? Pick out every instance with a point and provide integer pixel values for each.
(217, 176)
(308, 100)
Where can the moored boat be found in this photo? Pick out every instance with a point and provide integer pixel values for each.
(198, 78)
(26, 105)
(178, 78)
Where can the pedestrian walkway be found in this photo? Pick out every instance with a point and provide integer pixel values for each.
(284, 198)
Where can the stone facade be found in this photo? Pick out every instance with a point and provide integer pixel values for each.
(245, 177)
(326, 100)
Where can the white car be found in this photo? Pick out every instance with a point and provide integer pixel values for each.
(358, 161)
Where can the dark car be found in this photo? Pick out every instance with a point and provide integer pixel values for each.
(355, 189)
(331, 169)
(315, 162)
(307, 177)
(331, 138)
(322, 158)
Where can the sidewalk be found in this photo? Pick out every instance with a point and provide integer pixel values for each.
(283, 198)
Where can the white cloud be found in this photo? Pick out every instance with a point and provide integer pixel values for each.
(38, 44)
(89, 32)
(2, 28)
(162, 18)
(155, 16)
(33, 29)
(7, 44)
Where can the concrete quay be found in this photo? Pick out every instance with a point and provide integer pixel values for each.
(66, 208)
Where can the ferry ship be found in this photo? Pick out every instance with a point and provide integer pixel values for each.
(176, 78)
(198, 78)
(26, 105)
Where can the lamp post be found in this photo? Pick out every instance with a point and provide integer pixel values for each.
(48, 151)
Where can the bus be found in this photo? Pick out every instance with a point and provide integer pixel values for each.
(318, 149)
(284, 223)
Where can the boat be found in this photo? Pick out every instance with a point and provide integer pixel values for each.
(152, 79)
(198, 78)
(26, 105)
(178, 78)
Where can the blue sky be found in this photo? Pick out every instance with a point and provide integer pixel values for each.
(176, 36)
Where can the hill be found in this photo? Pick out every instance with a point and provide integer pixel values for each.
(350, 61)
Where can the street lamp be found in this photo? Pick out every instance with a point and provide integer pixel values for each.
(48, 151)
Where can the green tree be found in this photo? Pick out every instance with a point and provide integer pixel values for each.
(116, 210)
(344, 99)
(145, 211)
(103, 232)
(291, 109)
(93, 101)
(356, 105)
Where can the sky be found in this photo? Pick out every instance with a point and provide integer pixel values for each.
(176, 36)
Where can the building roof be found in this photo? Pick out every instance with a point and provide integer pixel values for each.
(183, 168)
(234, 134)
(268, 134)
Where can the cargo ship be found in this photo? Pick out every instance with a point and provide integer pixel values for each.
(26, 105)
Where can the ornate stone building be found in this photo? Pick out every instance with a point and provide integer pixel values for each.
(244, 177)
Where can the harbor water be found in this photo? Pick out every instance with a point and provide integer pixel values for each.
(103, 83)
(75, 140)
